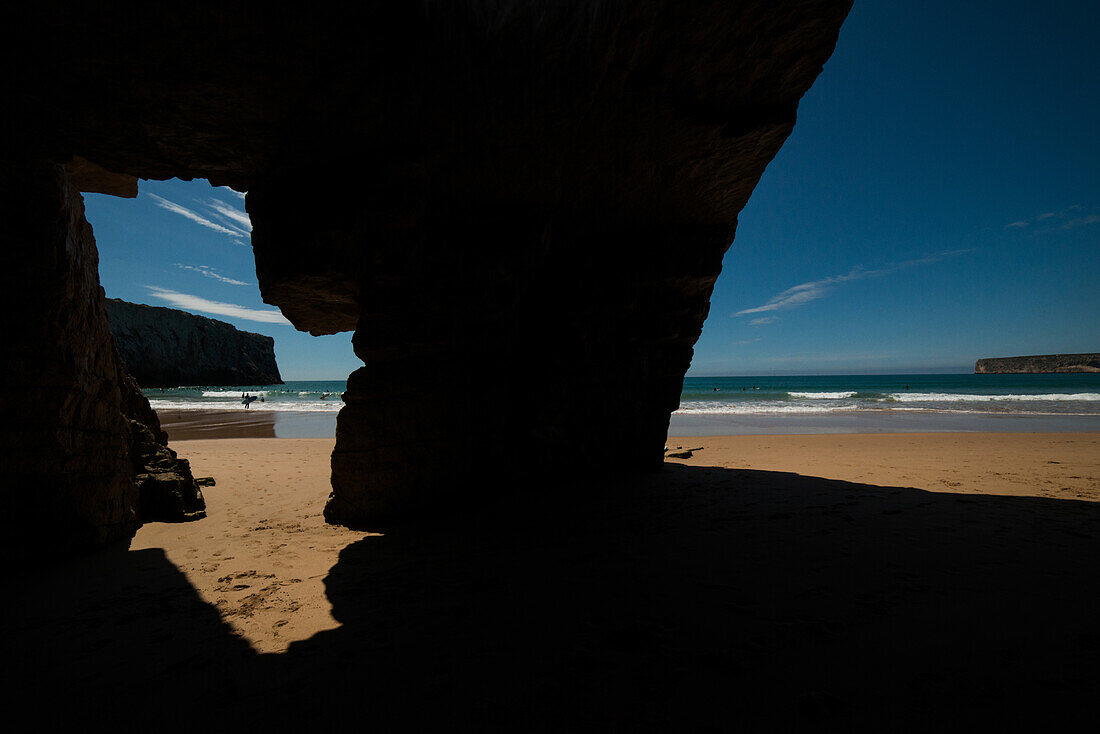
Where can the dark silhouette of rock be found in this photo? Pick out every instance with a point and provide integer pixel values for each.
(76, 430)
(521, 208)
(65, 440)
(165, 347)
(166, 489)
(1040, 363)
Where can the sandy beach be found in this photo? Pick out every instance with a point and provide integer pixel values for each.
(767, 582)
(1056, 465)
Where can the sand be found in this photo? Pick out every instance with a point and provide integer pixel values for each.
(1060, 465)
(856, 582)
(261, 553)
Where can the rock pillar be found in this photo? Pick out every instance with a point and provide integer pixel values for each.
(74, 431)
(64, 442)
(567, 357)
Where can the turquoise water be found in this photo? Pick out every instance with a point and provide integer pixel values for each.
(1061, 394)
(1069, 394)
(297, 396)
(744, 405)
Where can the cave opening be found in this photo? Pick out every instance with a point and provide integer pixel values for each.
(521, 227)
(260, 547)
(186, 246)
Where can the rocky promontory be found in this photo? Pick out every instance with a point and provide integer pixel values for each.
(164, 347)
(1039, 363)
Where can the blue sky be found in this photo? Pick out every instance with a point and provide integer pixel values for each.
(185, 244)
(938, 202)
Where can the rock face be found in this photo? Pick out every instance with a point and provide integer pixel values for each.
(76, 429)
(164, 347)
(520, 207)
(1040, 363)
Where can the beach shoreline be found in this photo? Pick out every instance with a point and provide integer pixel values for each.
(709, 406)
(213, 423)
(883, 421)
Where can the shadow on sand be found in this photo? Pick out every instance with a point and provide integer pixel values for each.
(697, 599)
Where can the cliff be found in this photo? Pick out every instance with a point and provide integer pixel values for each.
(1039, 363)
(163, 347)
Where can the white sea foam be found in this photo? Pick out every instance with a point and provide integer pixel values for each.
(822, 395)
(709, 408)
(297, 406)
(231, 393)
(941, 397)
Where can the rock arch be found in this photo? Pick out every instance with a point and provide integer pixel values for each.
(520, 208)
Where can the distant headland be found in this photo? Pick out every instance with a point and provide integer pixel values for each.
(163, 347)
(1039, 363)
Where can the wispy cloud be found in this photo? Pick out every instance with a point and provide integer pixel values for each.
(236, 216)
(193, 216)
(230, 220)
(209, 272)
(1068, 218)
(804, 293)
(743, 342)
(232, 310)
(1090, 219)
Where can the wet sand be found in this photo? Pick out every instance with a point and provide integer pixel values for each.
(910, 582)
(878, 421)
(189, 425)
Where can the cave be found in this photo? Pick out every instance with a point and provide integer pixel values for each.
(509, 194)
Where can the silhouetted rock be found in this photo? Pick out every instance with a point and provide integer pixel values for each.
(166, 489)
(165, 347)
(1042, 363)
(65, 442)
(521, 208)
(77, 438)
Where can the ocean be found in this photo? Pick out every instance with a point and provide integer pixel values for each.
(738, 405)
(1061, 394)
(297, 396)
(887, 403)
